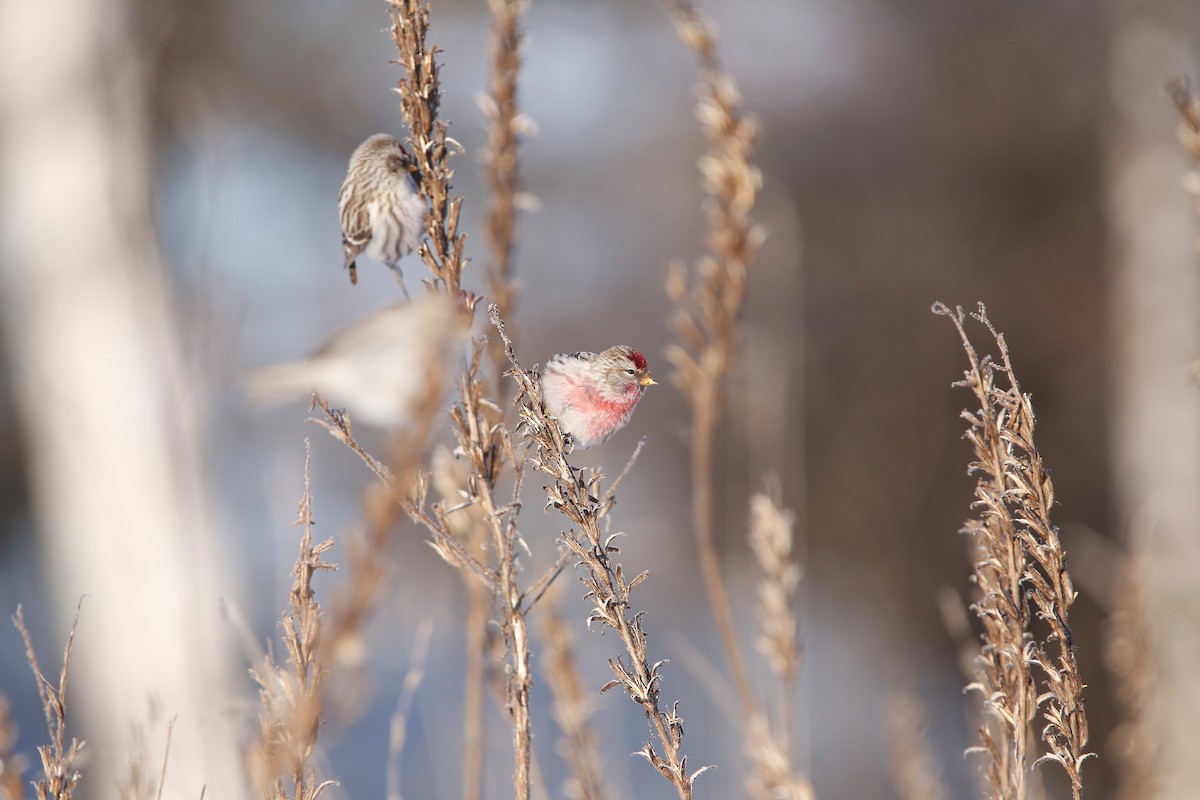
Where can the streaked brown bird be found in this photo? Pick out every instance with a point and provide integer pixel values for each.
(380, 203)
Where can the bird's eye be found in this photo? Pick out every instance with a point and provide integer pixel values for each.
(630, 372)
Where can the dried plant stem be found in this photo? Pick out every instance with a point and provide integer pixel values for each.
(479, 608)
(572, 706)
(501, 174)
(11, 765)
(504, 125)
(1130, 658)
(771, 539)
(571, 494)
(488, 448)
(420, 96)
(708, 301)
(1180, 91)
(449, 475)
(292, 698)
(408, 693)
(59, 775)
(1020, 566)
(706, 317)
(915, 772)
(162, 777)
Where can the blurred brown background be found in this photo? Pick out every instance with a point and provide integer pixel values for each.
(912, 152)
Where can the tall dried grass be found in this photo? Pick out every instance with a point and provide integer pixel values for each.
(60, 760)
(708, 304)
(1020, 575)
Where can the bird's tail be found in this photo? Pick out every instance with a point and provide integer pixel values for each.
(278, 384)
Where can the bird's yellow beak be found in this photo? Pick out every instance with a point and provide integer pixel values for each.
(646, 380)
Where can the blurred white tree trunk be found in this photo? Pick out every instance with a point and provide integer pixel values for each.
(1156, 308)
(109, 414)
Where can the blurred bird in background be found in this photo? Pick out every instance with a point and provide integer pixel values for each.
(380, 368)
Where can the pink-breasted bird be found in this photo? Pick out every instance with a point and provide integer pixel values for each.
(593, 394)
(380, 204)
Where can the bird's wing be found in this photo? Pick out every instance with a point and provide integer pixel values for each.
(356, 224)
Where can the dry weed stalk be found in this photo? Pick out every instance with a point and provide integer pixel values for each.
(770, 535)
(141, 780)
(484, 443)
(505, 124)
(11, 764)
(1020, 567)
(420, 96)
(1129, 656)
(915, 772)
(709, 301)
(398, 732)
(1180, 91)
(771, 540)
(449, 475)
(59, 773)
(574, 494)
(487, 447)
(573, 705)
(292, 696)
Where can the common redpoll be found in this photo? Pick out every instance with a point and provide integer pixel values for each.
(380, 367)
(380, 204)
(593, 394)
